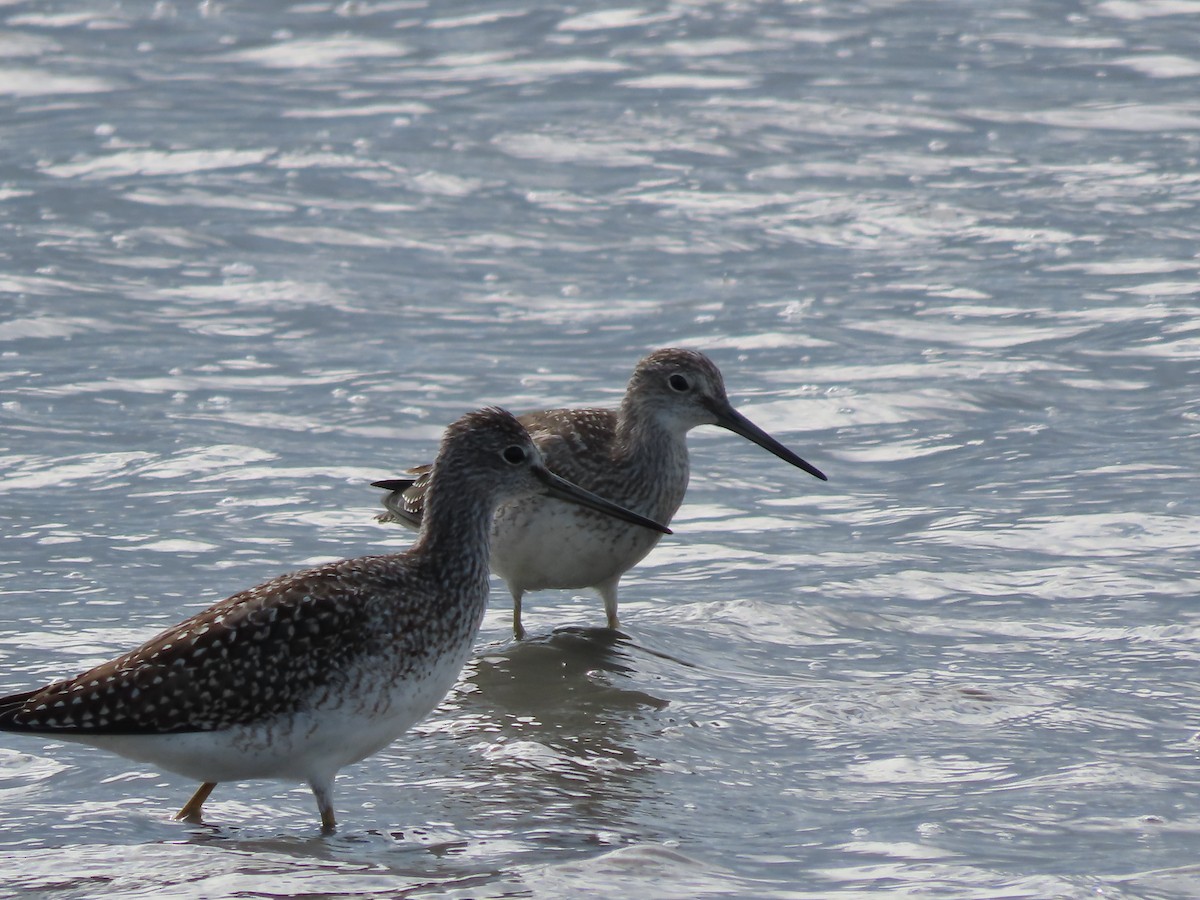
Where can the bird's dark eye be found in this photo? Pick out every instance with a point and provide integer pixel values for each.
(679, 383)
(514, 454)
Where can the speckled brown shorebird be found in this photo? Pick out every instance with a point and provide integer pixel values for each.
(312, 671)
(637, 455)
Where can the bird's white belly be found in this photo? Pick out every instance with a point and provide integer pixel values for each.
(550, 544)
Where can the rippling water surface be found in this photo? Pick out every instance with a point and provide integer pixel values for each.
(253, 256)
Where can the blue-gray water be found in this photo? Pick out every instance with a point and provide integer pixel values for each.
(255, 255)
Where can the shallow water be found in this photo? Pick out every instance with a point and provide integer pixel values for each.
(255, 256)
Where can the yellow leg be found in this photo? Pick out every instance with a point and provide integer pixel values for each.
(191, 809)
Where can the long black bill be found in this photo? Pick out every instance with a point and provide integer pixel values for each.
(573, 493)
(730, 418)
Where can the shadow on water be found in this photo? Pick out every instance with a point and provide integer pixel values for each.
(371, 863)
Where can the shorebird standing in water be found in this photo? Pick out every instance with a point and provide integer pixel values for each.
(637, 455)
(312, 671)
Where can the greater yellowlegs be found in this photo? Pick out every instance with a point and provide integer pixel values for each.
(636, 455)
(312, 671)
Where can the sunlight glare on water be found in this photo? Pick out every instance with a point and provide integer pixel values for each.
(258, 256)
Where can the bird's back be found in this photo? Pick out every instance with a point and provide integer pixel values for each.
(576, 444)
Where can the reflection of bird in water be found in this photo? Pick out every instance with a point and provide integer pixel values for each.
(636, 455)
(548, 674)
(308, 673)
(555, 720)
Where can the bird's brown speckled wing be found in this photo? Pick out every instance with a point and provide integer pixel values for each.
(251, 656)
